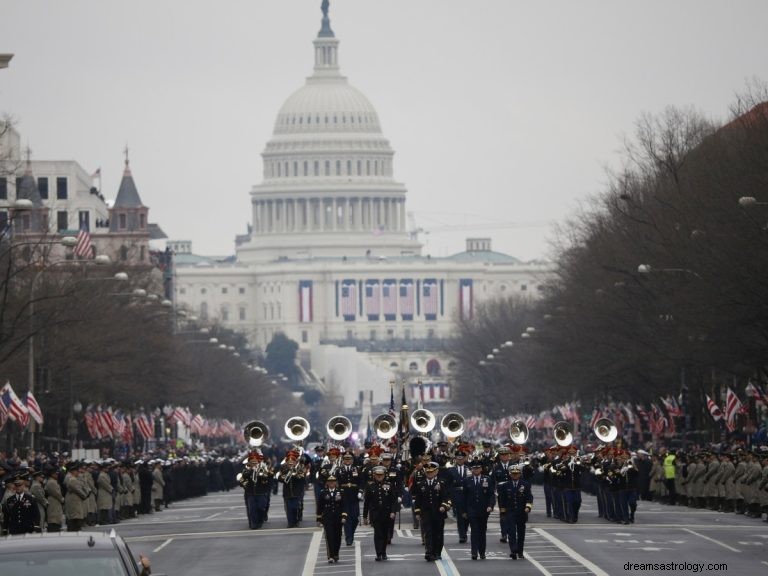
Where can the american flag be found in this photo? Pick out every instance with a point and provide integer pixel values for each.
(530, 421)
(429, 294)
(348, 300)
(145, 426)
(714, 409)
(596, 415)
(92, 423)
(13, 406)
(672, 408)
(34, 408)
(372, 298)
(389, 299)
(753, 390)
(196, 426)
(83, 246)
(128, 430)
(406, 299)
(732, 408)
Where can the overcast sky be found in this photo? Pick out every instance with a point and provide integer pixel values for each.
(501, 112)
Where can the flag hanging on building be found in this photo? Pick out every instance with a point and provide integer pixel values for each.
(34, 408)
(348, 299)
(389, 299)
(406, 299)
(465, 298)
(430, 298)
(305, 301)
(372, 299)
(14, 407)
(732, 409)
(714, 409)
(83, 247)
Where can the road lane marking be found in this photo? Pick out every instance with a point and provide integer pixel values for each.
(212, 516)
(712, 540)
(312, 552)
(163, 545)
(572, 553)
(445, 566)
(224, 534)
(358, 559)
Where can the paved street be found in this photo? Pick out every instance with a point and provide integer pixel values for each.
(207, 536)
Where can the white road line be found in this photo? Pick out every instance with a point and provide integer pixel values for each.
(712, 540)
(447, 564)
(163, 545)
(572, 553)
(311, 559)
(225, 533)
(358, 559)
(538, 566)
(212, 516)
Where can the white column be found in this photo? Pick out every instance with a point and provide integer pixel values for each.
(334, 209)
(403, 223)
(296, 225)
(321, 201)
(358, 208)
(347, 206)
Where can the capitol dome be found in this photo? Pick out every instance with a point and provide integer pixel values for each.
(328, 181)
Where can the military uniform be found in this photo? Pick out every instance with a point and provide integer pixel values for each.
(432, 501)
(21, 514)
(104, 497)
(330, 513)
(55, 511)
(75, 500)
(455, 476)
(479, 500)
(381, 502)
(256, 480)
(515, 502)
(350, 482)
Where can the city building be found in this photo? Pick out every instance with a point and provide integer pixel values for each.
(329, 260)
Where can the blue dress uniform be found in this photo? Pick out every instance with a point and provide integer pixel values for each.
(432, 501)
(293, 477)
(256, 480)
(350, 482)
(381, 504)
(479, 500)
(330, 513)
(515, 502)
(500, 476)
(455, 477)
(20, 512)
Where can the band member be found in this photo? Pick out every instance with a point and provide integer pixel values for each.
(455, 476)
(515, 502)
(256, 480)
(381, 503)
(432, 502)
(479, 501)
(330, 513)
(292, 476)
(395, 477)
(500, 477)
(487, 458)
(20, 512)
(350, 481)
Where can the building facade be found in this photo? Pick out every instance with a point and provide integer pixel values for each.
(329, 260)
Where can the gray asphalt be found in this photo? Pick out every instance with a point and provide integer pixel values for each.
(209, 536)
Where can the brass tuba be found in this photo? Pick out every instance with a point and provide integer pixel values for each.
(563, 434)
(423, 421)
(518, 432)
(338, 428)
(256, 433)
(605, 430)
(385, 426)
(452, 425)
(296, 428)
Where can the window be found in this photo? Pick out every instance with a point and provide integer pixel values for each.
(523, 287)
(413, 366)
(279, 169)
(372, 335)
(3, 188)
(327, 167)
(204, 311)
(62, 220)
(61, 188)
(142, 221)
(182, 290)
(367, 167)
(42, 187)
(359, 167)
(338, 167)
(242, 313)
(407, 335)
(84, 219)
(304, 336)
(349, 167)
(431, 333)
(3, 220)
(316, 168)
(142, 253)
(224, 290)
(122, 221)
(203, 291)
(306, 168)
(241, 290)
(224, 314)
(123, 253)
(390, 333)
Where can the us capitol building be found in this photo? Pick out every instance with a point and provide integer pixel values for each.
(328, 259)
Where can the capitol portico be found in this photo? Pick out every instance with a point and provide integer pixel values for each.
(328, 259)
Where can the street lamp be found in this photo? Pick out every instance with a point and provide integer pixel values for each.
(749, 201)
(647, 269)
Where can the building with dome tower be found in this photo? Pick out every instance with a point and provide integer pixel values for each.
(328, 259)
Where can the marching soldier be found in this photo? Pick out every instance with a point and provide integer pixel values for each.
(479, 501)
(500, 475)
(515, 503)
(20, 512)
(455, 477)
(381, 503)
(351, 483)
(431, 503)
(395, 479)
(330, 513)
(292, 475)
(256, 480)
(487, 457)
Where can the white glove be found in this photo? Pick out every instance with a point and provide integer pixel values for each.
(399, 500)
(359, 495)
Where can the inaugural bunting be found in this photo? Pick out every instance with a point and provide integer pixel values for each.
(305, 301)
(465, 299)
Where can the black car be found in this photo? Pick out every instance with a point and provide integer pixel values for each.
(68, 554)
